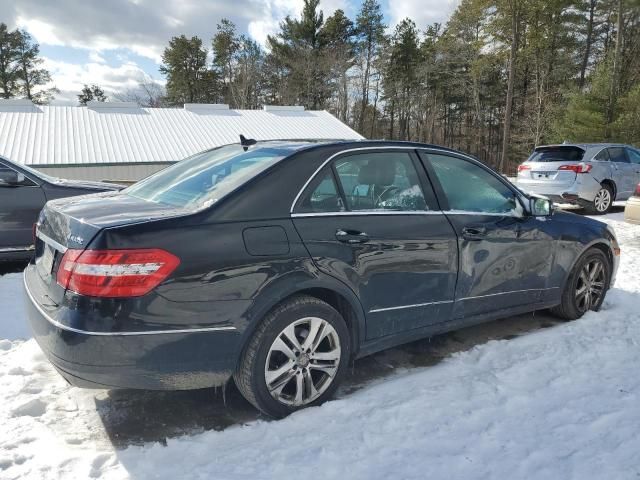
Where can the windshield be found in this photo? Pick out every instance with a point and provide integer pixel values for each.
(201, 180)
(557, 154)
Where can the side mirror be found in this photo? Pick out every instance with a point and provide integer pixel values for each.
(540, 206)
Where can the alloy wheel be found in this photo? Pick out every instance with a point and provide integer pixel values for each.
(590, 285)
(602, 200)
(302, 361)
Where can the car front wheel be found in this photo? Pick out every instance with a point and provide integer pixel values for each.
(296, 358)
(586, 286)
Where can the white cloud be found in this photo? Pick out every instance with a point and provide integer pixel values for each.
(422, 12)
(70, 77)
(95, 57)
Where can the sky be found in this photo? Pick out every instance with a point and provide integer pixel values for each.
(118, 43)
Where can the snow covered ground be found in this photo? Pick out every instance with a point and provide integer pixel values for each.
(560, 403)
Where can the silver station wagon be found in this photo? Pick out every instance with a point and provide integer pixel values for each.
(592, 176)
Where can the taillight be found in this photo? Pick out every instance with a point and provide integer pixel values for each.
(115, 273)
(579, 168)
(523, 167)
(636, 192)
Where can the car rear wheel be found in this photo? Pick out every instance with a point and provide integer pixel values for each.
(586, 287)
(296, 358)
(602, 202)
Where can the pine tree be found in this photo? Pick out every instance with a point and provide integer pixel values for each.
(184, 62)
(337, 36)
(298, 48)
(9, 55)
(91, 93)
(30, 75)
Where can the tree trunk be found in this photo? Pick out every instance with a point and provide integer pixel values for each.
(512, 75)
(613, 89)
(589, 40)
(365, 87)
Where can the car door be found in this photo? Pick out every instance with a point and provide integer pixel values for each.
(505, 256)
(634, 157)
(370, 219)
(21, 200)
(624, 172)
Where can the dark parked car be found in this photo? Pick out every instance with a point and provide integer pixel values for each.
(280, 262)
(23, 193)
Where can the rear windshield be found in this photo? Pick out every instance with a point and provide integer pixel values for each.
(203, 179)
(557, 154)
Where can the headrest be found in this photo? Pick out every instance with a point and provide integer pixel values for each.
(377, 172)
(367, 174)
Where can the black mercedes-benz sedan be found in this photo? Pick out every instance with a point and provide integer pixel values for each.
(276, 263)
(23, 193)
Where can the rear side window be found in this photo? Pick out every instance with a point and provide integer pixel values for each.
(375, 181)
(380, 181)
(470, 188)
(617, 154)
(602, 156)
(322, 195)
(557, 154)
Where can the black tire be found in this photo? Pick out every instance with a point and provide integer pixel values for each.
(250, 373)
(595, 208)
(571, 307)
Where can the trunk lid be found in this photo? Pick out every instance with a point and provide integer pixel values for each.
(72, 223)
(543, 166)
(546, 173)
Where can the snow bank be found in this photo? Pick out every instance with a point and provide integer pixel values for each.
(13, 323)
(557, 403)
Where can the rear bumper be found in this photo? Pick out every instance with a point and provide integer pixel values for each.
(583, 189)
(140, 360)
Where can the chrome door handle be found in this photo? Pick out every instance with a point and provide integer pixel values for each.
(351, 236)
(474, 233)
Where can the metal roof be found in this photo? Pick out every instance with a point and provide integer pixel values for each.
(126, 133)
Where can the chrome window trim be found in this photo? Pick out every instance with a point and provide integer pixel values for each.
(511, 291)
(363, 149)
(489, 214)
(17, 249)
(400, 307)
(356, 213)
(59, 325)
(415, 305)
(51, 242)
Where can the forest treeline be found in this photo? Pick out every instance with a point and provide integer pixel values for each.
(500, 77)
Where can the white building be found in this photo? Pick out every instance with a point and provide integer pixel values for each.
(121, 141)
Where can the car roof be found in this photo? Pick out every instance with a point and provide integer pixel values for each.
(583, 146)
(296, 145)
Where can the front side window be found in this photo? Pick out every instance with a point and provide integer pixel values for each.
(617, 154)
(380, 181)
(471, 188)
(201, 180)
